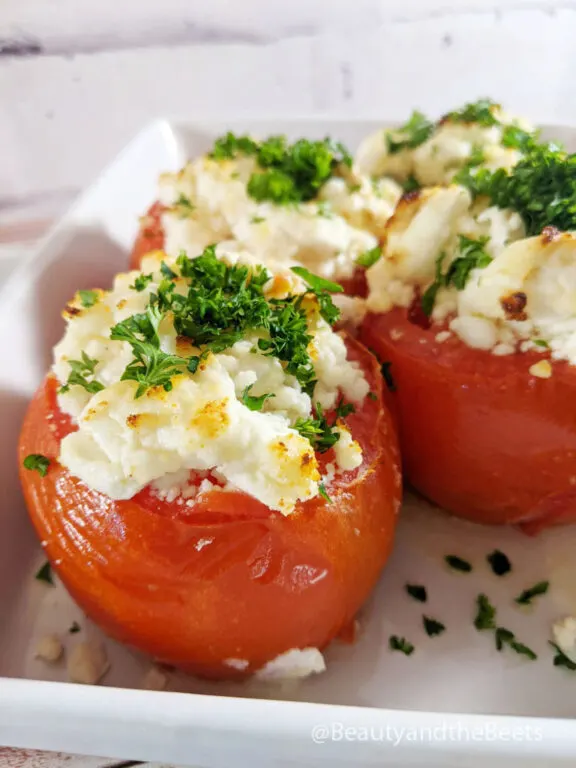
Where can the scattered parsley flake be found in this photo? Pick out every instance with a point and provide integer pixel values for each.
(37, 462)
(541, 343)
(44, 573)
(526, 597)
(257, 219)
(324, 210)
(167, 272)
(411, 184)
(321, 434)
(373, 396)
(315, 282)
(254, 403)
(485, 615)
(184, 206)
(343, 409)
(560, 659)
(499, 562)
(141, 282)
(480, 112)
(368, 258)
(323, 492)
(457, 563)
(417, 591)
(401, 644)
(88, 298)
(432, 627)
(74, 628)
(81, 371)
(410, 135)
(504, 637)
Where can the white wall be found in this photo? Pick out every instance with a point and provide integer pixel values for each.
(79, 77)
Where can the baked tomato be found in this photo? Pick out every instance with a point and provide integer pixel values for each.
(151, 238)
(480, 436)
(225, 579)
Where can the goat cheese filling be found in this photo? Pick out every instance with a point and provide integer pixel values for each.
(209, 368)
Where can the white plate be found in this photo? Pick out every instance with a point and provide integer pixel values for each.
(223, 724)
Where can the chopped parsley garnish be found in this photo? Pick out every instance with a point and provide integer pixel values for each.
(417, 591)
(526, 597)
(223, 302)
(372, 395)
(44, 573)
(370, 257)
(541, 343)
(386, 369)
(167, 272)
(561, 660)
(141, 282)
(499, 563)
(505, 638)
(88, 298)
(471, 256)
(257, 220)
(514, 137)
(410, 135)
(541, 188)
(411, 184)
(476, 157)
(457, 563)
(432, 627)
(481, 112)
(184, 206)
(325, 210)
(485, 614)
(289, 173)
(318, 430)
(74, 628)
(37, 462)
(343, 409)
(323, 492)
(82, 371)
(400, 644)
(255, 403)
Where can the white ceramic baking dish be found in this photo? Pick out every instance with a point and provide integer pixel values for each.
(455, 701)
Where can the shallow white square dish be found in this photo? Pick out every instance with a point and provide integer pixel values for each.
(455, 701)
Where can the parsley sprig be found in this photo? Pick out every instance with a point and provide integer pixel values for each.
(82, 375)
(481, 112)
(415, 131)
(288, 173)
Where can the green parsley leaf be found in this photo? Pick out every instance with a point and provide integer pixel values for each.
(486, 614)
(316, 283)
(141, 282)
(167, 272)
(343, 409)
(318, 431)
(477, 156)
(410, 135)
(514, 137)
(499, 563)
(541, 188)
(74, 628)
(257, 219)
(35, 461)
(386, 369)
(323, 492)
(417, 592)
(88, 298)
(230, 146)
(432, 627)
(411, 184)
(254, 403)
(372, 396)
(324, 210)
(370, 257)
(184, 206)
(429, 296)
(560, 659)
(526, 597)
(541, 343)
(81, 370)
(44, 573)
(504, 637)
(457, 563)
(481, 112)
(401, 644)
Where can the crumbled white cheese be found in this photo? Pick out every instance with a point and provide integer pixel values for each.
(87, 663)
(293, 664)
(348, 452)
(542, 369)
(155, 679)
(239, 664)
(123, 443)
(327, 237)
(564, 631)
(49, 649)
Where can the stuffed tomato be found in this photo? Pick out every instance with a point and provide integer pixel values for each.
(217, 476)
(287, 204)
(477, 322)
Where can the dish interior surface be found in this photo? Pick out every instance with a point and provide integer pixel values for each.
(460, 671)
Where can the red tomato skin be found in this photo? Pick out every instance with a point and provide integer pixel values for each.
(196, 588)
(480, 436)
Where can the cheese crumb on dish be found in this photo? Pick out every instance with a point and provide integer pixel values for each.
(197, 433)
(87, 663)
(239, 664)
(326, 235)
(49, 649)
(295, 664)
(154, 679)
